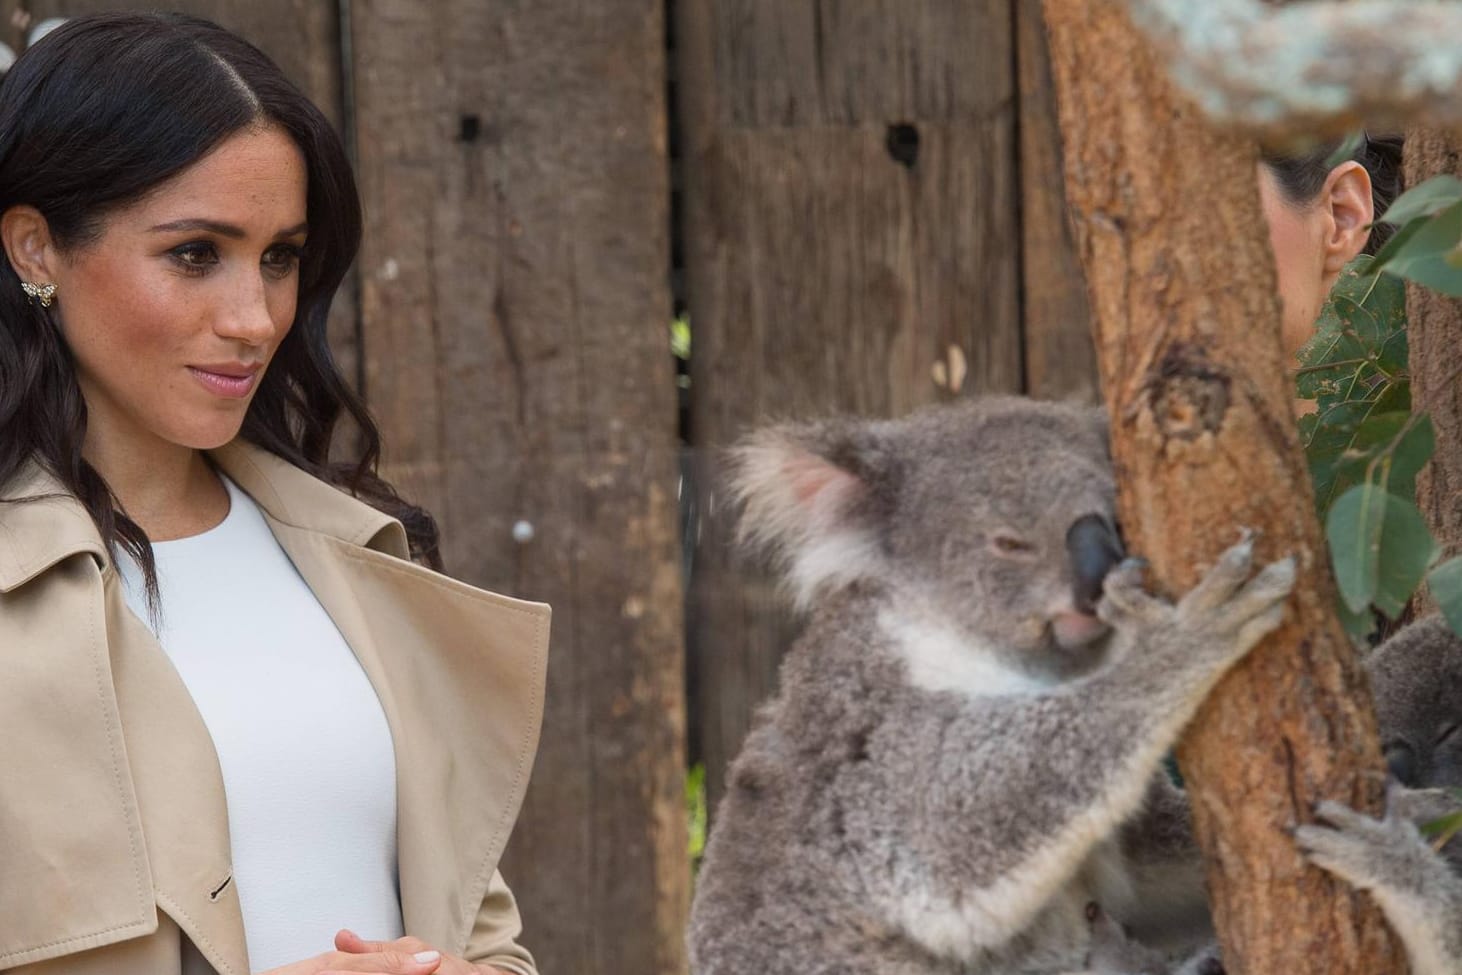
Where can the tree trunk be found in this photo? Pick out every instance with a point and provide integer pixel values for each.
(1434, 327)
(1187, 333)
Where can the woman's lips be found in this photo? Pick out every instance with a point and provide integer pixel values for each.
(225, 384)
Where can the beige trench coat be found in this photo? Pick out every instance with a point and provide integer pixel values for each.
(113, 829)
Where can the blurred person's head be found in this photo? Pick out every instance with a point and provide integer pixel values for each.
(1319, 218)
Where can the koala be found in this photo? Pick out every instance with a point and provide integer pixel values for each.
(1417, 680)
(977, 710)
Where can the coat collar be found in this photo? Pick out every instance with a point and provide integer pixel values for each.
(50, 525)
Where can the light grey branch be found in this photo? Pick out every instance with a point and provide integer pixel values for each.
(1321, 67)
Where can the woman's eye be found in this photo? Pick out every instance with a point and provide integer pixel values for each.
(282, 259)
(195, 257)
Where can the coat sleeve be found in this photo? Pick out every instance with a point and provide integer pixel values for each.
(495, 933)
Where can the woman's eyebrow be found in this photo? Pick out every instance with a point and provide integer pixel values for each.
(222, 229)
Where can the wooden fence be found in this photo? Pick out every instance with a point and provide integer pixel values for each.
(868, 216)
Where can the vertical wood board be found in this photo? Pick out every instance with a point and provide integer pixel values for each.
(1060, 361)
(851, 221)
(515, 320)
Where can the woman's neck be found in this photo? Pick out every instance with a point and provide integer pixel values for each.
(170, 493)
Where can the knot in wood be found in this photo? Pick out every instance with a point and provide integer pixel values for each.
(1187, 393)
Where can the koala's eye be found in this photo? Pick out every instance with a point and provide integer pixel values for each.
(1011, 545)
(1448, 733)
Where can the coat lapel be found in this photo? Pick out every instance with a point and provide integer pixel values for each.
(137, 821)
(460, 674)
(180, 790)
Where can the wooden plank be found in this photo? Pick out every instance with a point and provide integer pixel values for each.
(1060, 361)
(851, 208)
(515, 319)
(303, 38)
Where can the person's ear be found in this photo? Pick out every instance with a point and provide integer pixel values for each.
(28, 244)
(1347, 202)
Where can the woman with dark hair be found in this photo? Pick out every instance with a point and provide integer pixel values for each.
(236, 717)
(1320, 218)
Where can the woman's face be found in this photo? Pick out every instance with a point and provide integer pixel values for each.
(1313, 241)
(174, 311)
(1297, 236)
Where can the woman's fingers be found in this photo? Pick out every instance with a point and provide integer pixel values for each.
(412, 951)
(385, 962)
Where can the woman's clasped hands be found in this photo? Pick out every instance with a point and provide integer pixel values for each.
(404, 956)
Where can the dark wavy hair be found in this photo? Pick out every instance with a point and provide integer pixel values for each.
(1301, 176)
(97, 114)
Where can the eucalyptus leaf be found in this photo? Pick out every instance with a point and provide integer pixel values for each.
(1353, 529)
(1398, 240)
(1346, 150)
(1409, 454)
(1445, 582)
(1407, 551)
(1424, 257)
(1440, 831)
(1424, 200)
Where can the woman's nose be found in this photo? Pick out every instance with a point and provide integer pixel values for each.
(246, 316)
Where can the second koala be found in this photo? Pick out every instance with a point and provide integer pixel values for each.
(1417, 679)
(967, 724)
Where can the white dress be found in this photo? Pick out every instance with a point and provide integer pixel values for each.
(308, 767)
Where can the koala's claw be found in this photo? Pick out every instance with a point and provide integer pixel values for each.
(1352, 845)
(1125, 599)
(1228, 574)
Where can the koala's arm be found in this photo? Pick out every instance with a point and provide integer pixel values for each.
(1415, 887)
(1030, 785)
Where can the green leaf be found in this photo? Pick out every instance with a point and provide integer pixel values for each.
(1346, 150)
(1407, 551)
(1424, 200)
(1397, 241)
(1381, 548)
(1445, 582)
(680, 337)
(1424, 257)
(1409, 452)
(1353, 529)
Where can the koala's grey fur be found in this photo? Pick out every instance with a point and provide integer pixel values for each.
(1417, 680)
(945, 781)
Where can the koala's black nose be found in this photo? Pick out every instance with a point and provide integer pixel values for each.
(1095, 549)
(1401, 763)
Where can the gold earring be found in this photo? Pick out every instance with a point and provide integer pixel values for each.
(39, 292)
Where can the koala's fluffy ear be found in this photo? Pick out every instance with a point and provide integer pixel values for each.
(809, 495)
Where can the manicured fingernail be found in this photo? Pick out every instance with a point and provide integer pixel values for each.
(426, 956)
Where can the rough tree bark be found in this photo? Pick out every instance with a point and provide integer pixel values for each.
(1187, 333)
(1434, 327)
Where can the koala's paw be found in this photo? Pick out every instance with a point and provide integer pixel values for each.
(1369, 854)
(1112, 952)
(1233, 607)
(1229, 611)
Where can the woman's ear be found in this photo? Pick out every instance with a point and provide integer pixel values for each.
(1346, 199)
(28, 244)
